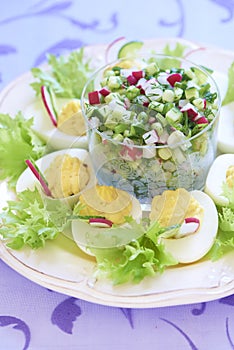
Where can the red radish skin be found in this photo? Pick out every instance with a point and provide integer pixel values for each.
(192, 219)
(138, 74)
(94, 98)
(174, 78)
(100, 222)
(39, 177)
(202, 120)
(110, 46)
(48, 105)
(132, 80)
(104, 92)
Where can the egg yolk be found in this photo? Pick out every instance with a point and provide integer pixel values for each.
(67, 176)
(172, 207)
(112, 203)
(70, 119)
(230, 176)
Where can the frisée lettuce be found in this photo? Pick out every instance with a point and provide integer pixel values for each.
(18, 142)
(225, 239)
(143, 257)
(66, 76)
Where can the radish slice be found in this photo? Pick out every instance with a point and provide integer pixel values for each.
(48, 103)
(39, 177)
(110, 46)
(191, 219)
(194, 51)
(191, 110)
(188, 227)
(100, 222)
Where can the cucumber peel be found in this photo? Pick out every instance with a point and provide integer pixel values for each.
(129, 48)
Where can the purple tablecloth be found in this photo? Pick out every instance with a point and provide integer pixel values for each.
(33, 317)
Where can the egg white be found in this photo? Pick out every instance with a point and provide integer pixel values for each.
(217, 176)
(86, 235)
(28, 181)
(42, 124)
(195, 246)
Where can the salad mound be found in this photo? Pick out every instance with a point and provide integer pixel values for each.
(145, 103)
(152, 123)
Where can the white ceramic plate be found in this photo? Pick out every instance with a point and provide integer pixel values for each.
(63, 267)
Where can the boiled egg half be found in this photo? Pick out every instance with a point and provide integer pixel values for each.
(70, 131)
(106, 207)
(196, 213)
(221, 172)
(68, 172)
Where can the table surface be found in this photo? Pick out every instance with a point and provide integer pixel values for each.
(33, 317)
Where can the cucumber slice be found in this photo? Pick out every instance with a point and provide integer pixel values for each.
(129, 48)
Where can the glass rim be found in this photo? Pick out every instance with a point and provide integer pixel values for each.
(160, 55)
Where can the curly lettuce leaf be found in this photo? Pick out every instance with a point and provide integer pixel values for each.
(143, 257)
(225, 238)
(28, 222)
(66, 76)
(18, 142)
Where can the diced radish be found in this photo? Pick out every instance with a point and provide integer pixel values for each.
(150, 137)
(48, 103)
(202, 120)
(127, 103)
(36, 172)
(182, 103)
(174, 78)
(146, 103)
(125, 72)
(100, 222)
(132, 80)
(104, 91)
(162, 78)
(190, 109)
(130, 153)
(164, 137)
(138, 74)
(94, 97)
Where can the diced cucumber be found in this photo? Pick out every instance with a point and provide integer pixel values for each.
(174, 115)
(156, 106)
(168, 96)
(114, 82)
(191, 93)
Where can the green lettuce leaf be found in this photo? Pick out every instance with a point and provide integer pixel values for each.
(225, 237)
(28, 222)
(66, 76)
(143, 257)
(18, 142)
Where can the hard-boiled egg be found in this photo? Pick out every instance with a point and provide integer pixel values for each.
(68, 172)
(221, 171)
(173, 207)
(54, 136)
(226, 129)
(113, 205)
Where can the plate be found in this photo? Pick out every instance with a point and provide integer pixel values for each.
(61, 266)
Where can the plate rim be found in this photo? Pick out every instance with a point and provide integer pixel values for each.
(183, 297)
